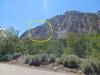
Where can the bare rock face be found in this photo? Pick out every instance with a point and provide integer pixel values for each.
(70, 22)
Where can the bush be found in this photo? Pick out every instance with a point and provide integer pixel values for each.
(6, 57)
(87, 67)
(96, 66)
(44, 58)
(71, 61)
(35, 60)
(16, 55)
(28, 59)
(52, 58)
(59, 60)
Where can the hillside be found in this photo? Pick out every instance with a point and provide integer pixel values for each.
(69, 22)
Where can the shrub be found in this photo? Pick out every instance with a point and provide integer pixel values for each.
(87, 67)
(59, 60)
(44, 58)
(6, 57)
(35, 60)
(28, 59)
(52, 58)
(96, 66)
(71, 61)
(16, 55)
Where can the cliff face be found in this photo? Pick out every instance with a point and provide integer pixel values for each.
(70, 22)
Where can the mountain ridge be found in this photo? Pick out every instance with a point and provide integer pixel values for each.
(69, 22)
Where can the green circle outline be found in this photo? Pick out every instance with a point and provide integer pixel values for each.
(39, 41)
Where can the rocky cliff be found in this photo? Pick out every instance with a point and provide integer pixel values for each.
(69, 22)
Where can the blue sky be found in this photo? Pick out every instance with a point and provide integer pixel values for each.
(18, 13)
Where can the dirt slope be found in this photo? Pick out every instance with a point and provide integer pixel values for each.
(6, 69)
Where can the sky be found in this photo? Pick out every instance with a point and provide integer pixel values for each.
(18, 13)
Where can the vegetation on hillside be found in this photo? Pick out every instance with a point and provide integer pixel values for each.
(76, 51)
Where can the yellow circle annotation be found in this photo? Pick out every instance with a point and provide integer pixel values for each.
(39, 41)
